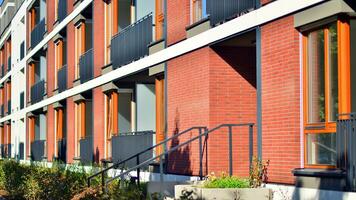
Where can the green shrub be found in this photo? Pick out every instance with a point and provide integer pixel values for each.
(226, 182)
(37, 181)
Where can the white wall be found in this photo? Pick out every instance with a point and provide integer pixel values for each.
(18, 83)
(146, 107)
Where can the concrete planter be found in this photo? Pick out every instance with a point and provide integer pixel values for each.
(195, 192)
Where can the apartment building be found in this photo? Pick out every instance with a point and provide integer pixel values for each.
(97, 81)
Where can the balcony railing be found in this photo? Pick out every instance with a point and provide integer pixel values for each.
(62, 79)
(37, 33)
(2, 70)
(223, 10)
(127, 145)
(22, 100)
(38, 150)
(21, 154)
(9, 107)
(37, 91)
(86, 150)
(132, 42)
(6, 18)
(62, 10)
(62, 150)
(2, 112)
(6, 150)
(3, 151)
(9, 64)
(346, 148)
(86, 66)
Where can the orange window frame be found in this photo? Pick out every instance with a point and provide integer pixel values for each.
(58, 63)
(59, 124)
(344, 100)
(2, 132)
(160, 114)
(197, 12)
(8, 89)
(55, 10)
(79, 45)
(159, 19)
(111, 26)
(112, 126)
(8, 133)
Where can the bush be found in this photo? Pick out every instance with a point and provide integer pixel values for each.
(226, 182)
(40, 182)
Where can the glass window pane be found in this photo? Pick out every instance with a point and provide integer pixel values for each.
(316, 80)
(321, 149)
(333, 73)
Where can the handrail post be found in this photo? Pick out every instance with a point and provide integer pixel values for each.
(230, 150)
(103, 182)
(251, 143)
(200, 156)
(161, 174)
(138, 170)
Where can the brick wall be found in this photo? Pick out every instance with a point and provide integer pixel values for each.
(232, 97)
(70, 130)
(188, 105)
(209, 87)
(280, 98)
(98, 95)
(177, 20)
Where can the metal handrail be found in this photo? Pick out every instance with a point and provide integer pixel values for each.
(201, 134)
(206, 133)
(142, 152)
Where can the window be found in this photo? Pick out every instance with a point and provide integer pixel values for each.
(58, 58)
(111, 26)
(79, 45)
(55, 10)
(198, 10)
(111, 119)
(323, 62)
(80, 124)
(159, 19)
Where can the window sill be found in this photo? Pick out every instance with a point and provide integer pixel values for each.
(322, 179)
(331, 173)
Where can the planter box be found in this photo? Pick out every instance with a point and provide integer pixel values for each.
(195, 192)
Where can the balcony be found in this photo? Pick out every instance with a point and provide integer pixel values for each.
(132, 42)
(2, 112)
(38, 150)
(62, 79)
(62, 150)
(6, 18)
(86, 150)
(223, 10)
(22, 100)
(6, 150)
(9, 107)
(2, 70)
(21, 154)
(62, 10)
(37, 91)
(126, 145)
(37, 33)
(9, 64)
(86, 66)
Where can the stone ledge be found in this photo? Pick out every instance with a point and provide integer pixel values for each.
(195, 192)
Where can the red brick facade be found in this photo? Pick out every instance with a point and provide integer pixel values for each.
(281, 98)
